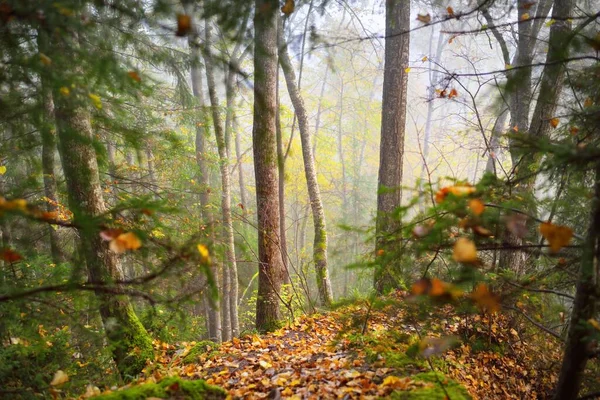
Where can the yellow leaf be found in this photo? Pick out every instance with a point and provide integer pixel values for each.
(265, 364)
(407, 70)
(550, 23)
(288, 7)
(2, 169)
(424, 18)
(96, 100)
(204, 254)
(59, 378)
(525, 17)
(425, 58)
(554, 122)
(594, 323)
(476, 206)
(556, 235)
(465, 251)
(65, 91)
(45, 59)
(395, 382)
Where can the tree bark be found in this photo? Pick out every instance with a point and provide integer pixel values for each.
(130, 343)
(314, 192)
(238, 156)
(281, 192)
(213, 317)
(265, 165)
(393, 122)
(49, 147)
(229, 297)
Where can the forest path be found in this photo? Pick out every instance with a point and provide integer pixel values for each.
(311, 358)
(363, 351)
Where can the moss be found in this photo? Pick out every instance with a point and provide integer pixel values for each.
(132, 346)
(169, 388)
(203, 347)
(433, 389)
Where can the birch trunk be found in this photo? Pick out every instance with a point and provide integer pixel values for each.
(314, 193)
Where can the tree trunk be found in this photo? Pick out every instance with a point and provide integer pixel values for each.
(213, 317)
(281, 193)
(49, 147)
(393, 122)
(320, 110)
(497, 131)
(265, 165)
(130, 343)
(229, 298)
(584, 308)
(314, 193)
(238, 156)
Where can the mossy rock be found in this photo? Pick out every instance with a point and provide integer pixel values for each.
(203, 347)
(173, 388)
(433, 391)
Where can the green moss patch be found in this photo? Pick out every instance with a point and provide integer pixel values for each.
(433, 389)
(172, 388)
(200, 348)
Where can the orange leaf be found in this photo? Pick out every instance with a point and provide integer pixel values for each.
(125, 241)
(465, 251)
(556, 235)
(485, 299)
(458, 190)
(453, 93)
(554, 122)
(574, 130)
(424, 18)
(135, 76)
(288, 7)
(476, 206)
(10, 256)
(110, 234)
(450, 11)
(184, 24)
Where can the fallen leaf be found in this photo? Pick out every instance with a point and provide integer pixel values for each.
(59, 378)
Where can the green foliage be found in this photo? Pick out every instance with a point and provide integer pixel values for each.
(168, 388)
(439, 387)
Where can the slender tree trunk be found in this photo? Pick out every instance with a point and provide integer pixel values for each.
(265, 165)
(213, 320)
(577, 348)
(314, 193)
(49, 147)
(238, 156)
(228, 233)
(281, 178)
(497, 131)
(130, 343)
(393, 114)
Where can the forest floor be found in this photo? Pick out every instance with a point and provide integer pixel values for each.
(366, 351)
